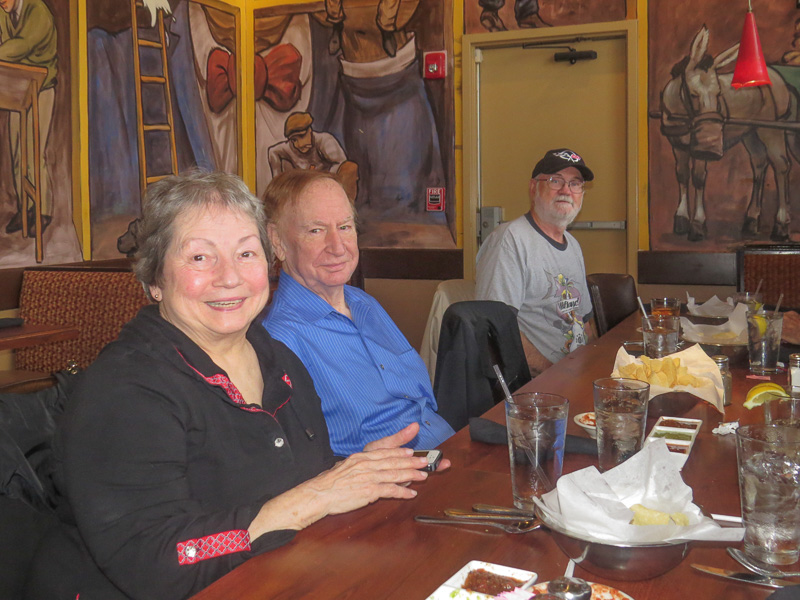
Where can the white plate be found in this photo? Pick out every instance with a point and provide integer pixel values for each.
(452, 590)
(581, 420)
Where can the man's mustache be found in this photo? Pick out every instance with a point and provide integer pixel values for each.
(564, 198)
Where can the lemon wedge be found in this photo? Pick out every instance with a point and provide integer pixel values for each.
(761, 323)
(763, 392)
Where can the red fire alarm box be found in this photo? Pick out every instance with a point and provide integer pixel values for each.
(435, 199)
(434, 65)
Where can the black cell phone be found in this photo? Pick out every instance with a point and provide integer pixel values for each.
(433, 456)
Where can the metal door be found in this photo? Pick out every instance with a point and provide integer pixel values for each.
(527, 103)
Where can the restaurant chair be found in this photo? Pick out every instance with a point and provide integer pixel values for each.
(447, 292)
(475, 335)
(778, 266)
(96, 301)
(613, 298)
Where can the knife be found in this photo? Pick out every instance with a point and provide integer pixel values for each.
(501, 510)
(746, 576)
(511, 517)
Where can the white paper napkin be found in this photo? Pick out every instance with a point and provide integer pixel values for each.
(713, 307)
(594, 504)
(699, 365)
(732, 332)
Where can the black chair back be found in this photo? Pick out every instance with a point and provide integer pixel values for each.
(613, 298)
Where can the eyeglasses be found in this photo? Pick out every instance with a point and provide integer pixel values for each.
(556, 183)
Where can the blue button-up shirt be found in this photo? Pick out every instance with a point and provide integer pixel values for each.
(371, 381)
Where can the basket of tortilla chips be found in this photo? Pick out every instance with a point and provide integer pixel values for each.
(690, 370)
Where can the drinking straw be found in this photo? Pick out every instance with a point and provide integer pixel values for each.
(528, 450)
(502, 381)
(778, 305)
(644, 312)
(758, 287)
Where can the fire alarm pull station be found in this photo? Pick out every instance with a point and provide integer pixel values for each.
(435, 199)
(434, 65)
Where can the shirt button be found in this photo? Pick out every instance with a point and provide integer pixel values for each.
(191, 551)
(428, 423)
(279, 442)
(382, 367)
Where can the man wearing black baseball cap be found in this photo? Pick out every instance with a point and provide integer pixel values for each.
(535, 266)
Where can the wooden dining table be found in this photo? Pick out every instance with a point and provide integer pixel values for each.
(27, 334)
(380, 551)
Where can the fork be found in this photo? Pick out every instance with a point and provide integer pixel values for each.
(523, 526)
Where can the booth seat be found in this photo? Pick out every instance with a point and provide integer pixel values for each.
(96, 300)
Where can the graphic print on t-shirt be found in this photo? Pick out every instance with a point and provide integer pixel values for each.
(566, 296)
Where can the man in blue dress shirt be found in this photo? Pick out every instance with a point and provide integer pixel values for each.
(371, 381)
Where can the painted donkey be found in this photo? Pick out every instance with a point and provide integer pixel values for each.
(696, 105)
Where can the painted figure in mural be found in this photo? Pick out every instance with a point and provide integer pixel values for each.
(113, 152)
(535, 266)
(526, 13)
(28, 37)
(386, 21)
(702, 116)
(305, 148)
(387, 122)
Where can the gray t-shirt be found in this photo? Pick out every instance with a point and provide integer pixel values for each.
(543, 279)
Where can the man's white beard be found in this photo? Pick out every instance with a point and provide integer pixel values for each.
(552, 216)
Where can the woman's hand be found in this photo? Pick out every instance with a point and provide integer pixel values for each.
(791, 327)
(381, 471)
(401, 438)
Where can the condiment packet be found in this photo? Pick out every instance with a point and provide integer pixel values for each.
(596, 505)
(699, 365)
(713, 307)
(732, 332)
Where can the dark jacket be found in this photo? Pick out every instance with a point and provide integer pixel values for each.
(476, 335)
(165, 471)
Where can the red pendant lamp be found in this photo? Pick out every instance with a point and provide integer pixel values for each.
(751, 68)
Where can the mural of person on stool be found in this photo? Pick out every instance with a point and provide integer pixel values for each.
(28, 37)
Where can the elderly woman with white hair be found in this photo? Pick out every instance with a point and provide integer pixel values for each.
(195, 440)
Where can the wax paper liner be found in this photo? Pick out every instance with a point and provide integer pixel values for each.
(596, 505)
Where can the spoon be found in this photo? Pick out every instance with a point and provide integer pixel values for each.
(760, 568)
(529, 584)
(518, 527)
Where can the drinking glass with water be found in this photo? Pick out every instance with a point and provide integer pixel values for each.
(620, 407)
(769, 486)
(537, 427)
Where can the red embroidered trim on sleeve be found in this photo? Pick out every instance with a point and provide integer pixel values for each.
(210, 546)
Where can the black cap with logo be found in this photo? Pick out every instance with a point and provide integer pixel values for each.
(561, 158)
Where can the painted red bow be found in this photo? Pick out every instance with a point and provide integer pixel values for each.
(276, 78)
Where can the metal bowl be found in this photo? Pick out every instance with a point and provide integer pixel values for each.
(618, 561)
(736, 353)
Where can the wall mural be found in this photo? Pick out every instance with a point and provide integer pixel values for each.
(339, 87)
(721, 159)
(181, 121)
(481, 16)
(35, 46)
